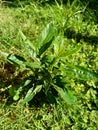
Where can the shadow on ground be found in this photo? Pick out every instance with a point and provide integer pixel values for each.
(90, 39)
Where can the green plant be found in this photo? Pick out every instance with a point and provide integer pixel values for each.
(48, 67)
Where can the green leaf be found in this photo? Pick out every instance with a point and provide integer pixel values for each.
(31, 93)
(11, 90)
(79, 72)
(65, 94)
(33, 65)
(20, 61)
(59, 49)
(44, 47)
(27, 41)
(58, 45)
(27, 81)
(16, 96)
(29, 46)
(70, 52)
(47, 59)
(20, 87)
(45, 39)
(17, 60)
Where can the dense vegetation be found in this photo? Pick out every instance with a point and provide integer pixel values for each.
(48, 65)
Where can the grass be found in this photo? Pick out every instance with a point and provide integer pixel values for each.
(45, 117)
(77, 24)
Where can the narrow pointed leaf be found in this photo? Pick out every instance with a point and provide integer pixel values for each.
(79, 72)
(20, 61)
(17, 60)
(11, 90)
(45, 37)
(16, 96)
(59, 48)
(65, 94)
(57, 45)
(29, 46)
(13, 58)
(27, 41)
(32, 65)
(44, 47)
(47, 58)
(31, 93)
(70, 52)
(25, 83)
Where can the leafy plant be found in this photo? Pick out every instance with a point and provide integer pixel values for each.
(48, 67)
